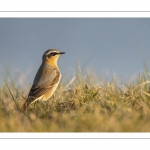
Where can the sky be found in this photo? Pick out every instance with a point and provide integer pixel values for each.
(105, 46)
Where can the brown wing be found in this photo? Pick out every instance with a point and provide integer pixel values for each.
(46, 77)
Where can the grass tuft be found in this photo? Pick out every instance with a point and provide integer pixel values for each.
(84, 104)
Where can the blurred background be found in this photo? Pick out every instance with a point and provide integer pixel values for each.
(105, 46)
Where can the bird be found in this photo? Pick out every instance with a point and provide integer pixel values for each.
(46, 79)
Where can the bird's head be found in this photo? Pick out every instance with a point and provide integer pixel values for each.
(51, 55)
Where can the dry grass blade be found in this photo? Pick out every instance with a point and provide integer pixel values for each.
(17, 106)
(10, 91)
(71, 81)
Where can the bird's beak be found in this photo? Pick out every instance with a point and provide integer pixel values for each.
(62, 53)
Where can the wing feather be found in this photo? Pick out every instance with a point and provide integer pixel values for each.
(46, 77)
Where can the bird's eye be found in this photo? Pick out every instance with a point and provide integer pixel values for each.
(54, 53)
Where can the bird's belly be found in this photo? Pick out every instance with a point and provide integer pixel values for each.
(49, 93)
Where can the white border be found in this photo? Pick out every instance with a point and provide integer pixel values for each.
(74, 14)
(84, 135)
(70, 144)
(74, 5)
(78, 5)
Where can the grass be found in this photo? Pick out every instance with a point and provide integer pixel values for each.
(86, 104)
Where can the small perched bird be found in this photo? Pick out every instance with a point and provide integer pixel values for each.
(46, 80)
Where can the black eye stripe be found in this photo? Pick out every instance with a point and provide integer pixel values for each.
(53, 53)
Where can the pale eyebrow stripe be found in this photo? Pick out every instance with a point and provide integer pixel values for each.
(51, 52)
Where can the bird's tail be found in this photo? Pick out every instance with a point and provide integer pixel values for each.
(26, 104)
